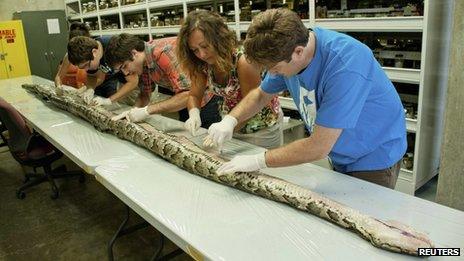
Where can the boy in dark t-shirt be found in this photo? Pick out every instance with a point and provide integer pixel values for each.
(89, 54)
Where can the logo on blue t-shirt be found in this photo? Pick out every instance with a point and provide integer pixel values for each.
(306, 107)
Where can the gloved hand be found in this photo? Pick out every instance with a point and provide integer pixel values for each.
(99, 101)
(87, 95)
(243, 163)
(194, 121)
(220, 132)
(58, 89)
(133, 115)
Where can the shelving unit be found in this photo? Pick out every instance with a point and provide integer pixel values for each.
(434, 26)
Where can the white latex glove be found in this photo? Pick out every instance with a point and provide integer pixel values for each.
(87, 95)
(220, 132)
(59, 89)
(244, 163)
(194, 121)
(133, 115)
(99, 101)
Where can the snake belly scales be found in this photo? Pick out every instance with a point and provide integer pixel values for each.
(389, 235)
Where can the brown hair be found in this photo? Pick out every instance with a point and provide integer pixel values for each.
(273, 36)
(80, 49)
(78, 29)
(217, 34)
(120, 48)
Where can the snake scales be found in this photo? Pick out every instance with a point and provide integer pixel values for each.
(388, 235)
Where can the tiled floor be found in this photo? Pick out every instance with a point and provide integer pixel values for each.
(429, 190)
(76, 226)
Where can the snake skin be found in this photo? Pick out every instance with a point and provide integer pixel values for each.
(389, 235)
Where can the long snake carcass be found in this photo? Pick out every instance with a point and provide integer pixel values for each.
(389, 235)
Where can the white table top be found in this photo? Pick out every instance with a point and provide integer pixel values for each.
(75, 137)
(212, 221)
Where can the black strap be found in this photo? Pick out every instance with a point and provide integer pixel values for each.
(235, 61)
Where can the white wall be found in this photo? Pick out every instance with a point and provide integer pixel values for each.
(8, 7)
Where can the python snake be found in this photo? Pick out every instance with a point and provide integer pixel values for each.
(389, 235)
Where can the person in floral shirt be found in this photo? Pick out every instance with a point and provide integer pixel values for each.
(208, 51)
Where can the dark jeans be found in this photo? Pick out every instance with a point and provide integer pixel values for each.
(385, 177)
(209, 114)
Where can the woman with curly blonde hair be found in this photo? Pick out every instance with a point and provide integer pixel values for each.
(208, 51)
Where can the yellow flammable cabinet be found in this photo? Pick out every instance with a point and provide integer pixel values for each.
(13, 53)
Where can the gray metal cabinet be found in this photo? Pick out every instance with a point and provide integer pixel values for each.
(45, 48)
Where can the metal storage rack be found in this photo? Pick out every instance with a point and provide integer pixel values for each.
(434, 25)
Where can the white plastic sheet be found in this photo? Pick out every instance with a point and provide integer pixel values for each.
(223, 223)
(76, 138)
(212, 221)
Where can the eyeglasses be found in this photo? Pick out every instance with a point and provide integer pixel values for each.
(119, 68)
(85, 65)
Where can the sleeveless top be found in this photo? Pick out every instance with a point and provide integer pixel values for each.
(232, 95)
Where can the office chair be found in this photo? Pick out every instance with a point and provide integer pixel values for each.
(31, 149)
(2, 129)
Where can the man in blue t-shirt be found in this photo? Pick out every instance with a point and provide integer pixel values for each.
(359, 120)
